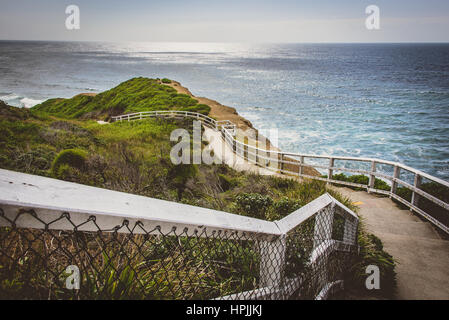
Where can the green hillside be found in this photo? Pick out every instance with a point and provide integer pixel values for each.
(137, 94)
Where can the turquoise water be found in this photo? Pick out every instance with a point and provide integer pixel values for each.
(389, 101)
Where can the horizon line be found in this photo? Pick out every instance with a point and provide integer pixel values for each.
(231, 42)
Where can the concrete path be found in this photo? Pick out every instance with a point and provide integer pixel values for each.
(422, 256)
(226, 155)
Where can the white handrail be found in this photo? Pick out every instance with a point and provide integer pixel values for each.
(228, 130)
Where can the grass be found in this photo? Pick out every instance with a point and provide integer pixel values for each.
(134, 95)
(133, 157)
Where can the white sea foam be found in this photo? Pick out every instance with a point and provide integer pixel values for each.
(9, 97)
(28, 103)
(17, 100)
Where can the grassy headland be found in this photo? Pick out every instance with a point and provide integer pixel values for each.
(138, 94)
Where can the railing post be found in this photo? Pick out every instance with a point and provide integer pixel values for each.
(323, 225)
(394, 184)
(415, 196)
(245, 146)
(372, 177)
(140, 115)
(301, 162)
(322, 235)
(282, 162)
(256, 149)
(272, 262)
(350, 231)
(331, 165)
(128, 117)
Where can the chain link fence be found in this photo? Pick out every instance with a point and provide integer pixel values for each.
(122, 259)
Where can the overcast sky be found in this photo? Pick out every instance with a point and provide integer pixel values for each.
(226, 20)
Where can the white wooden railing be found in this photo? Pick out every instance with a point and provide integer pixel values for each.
(207, 121)
(294, 163)
(35, 202)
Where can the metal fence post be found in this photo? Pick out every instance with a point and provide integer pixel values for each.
(350, 231)
(323, 235)
(272, 262)
(323, 225)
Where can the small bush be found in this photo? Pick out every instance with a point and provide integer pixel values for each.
(285, 206)
(372, 253)
(226, 183)
(361, 179)
(75, 158)
(253, 204)
(282, 183)
(200, 108)
(166, 80)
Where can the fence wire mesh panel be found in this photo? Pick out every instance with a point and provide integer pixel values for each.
(135, 260)
(126, 262)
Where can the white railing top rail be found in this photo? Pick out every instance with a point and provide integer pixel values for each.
(36, 192)
(20, 190)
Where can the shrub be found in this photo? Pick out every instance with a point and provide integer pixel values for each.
(285, 206)
(166, 80)
(200, 108)
(180, 174)
(361, 179)
(253, 204)
(226, 183)
(282, 183)
(75, 158)
(371, 253)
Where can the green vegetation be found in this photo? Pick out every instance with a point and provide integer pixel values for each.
(75, 158)
(58, 139)
(439, 191)
(361, 179)
(138, 94)
(371, 253)
(165, 80)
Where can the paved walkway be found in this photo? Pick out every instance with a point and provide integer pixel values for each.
(226, 155)
(422, 256)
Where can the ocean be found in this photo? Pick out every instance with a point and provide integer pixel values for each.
(389, 101)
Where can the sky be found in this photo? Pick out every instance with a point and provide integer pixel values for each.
(226, 20)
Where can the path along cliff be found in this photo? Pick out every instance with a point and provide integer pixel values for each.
(422, 256)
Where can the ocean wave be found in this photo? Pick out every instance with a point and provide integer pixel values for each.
(28, 103)
(9, 97)
(17, 100)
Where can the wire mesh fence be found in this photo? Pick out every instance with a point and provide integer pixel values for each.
(119, 258)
